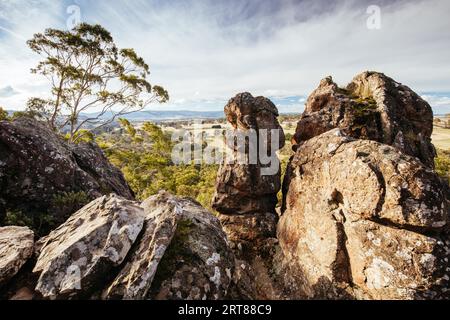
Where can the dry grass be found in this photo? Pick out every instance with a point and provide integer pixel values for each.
(441, 138)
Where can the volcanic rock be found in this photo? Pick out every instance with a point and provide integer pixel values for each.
(361, 219)
(375, 107)
(245, 196)
(16, 247)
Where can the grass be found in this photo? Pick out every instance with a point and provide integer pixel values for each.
(441, 138)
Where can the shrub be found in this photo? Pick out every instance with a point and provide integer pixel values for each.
(442, 162)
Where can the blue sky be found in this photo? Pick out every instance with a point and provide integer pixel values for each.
(205, 52)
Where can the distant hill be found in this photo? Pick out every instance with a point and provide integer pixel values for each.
(166, 115)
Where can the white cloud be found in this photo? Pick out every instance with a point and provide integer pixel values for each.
(8, 92)
(206, 52)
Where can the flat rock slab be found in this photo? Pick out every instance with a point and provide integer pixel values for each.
(16, 247)
(77, 257)
(182, 254)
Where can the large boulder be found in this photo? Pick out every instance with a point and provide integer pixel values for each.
(182, 254)
(245, 196)
(361, 219)
(16, 247)
(41, 174)
(113, 248)
(77, 258)
(375, 107)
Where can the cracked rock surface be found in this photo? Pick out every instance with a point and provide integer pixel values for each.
(245, 196)
(375, 107)
(362, 219)
(16, 247)
(165, 248)
(182, 253)
(36, 165)
(77, 257)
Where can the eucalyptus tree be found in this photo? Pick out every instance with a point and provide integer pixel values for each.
(93, 82)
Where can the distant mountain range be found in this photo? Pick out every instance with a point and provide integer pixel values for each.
(160, 115)
(165, 115)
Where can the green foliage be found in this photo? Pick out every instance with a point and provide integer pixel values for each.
(161, 141)
(144, 156)
(62, 207)
(87, 71)
(82, 135)
(362, 105)
(24, 114)
(284, 165)
(72, 201)
(442, 162)
(288, 136)
(128, 127)
(40, 222)
(3, 114)
(17, 218)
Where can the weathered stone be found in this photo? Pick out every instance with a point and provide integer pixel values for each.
(391, 263)
(197, 262)
(374, 107)
(245, 196)
(336, 190)
(77, 258)
(249, 227)
(136, 276)
(16, 247)
(36, 165)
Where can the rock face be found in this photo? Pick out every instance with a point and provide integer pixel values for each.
(16, 247)
(245, 196)
(113, 248)
(75, 258)
(182, 254)
(374, 107)
(361, 219)
(36, 165)
(364, 215)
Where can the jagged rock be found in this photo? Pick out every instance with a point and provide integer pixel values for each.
(36, 165)
(361, 219)
(16, 247)
(77, 258)
(197, 262)
(374, 107)
(113, 248)
(135, 278)
(257, 276)
(245, 197)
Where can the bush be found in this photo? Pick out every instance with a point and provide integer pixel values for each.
(42, 222)
(3, 114)
(442, 162)
(289, 137)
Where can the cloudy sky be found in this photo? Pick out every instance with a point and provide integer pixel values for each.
(205, 52)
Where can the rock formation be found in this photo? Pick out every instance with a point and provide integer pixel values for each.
(364, 215)
(374, 107)
(246, 198)
(36, 166)
(16, 247)
(365, 219)
(181, 254)
(113, 248)
(362, 218)
(75, 258)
